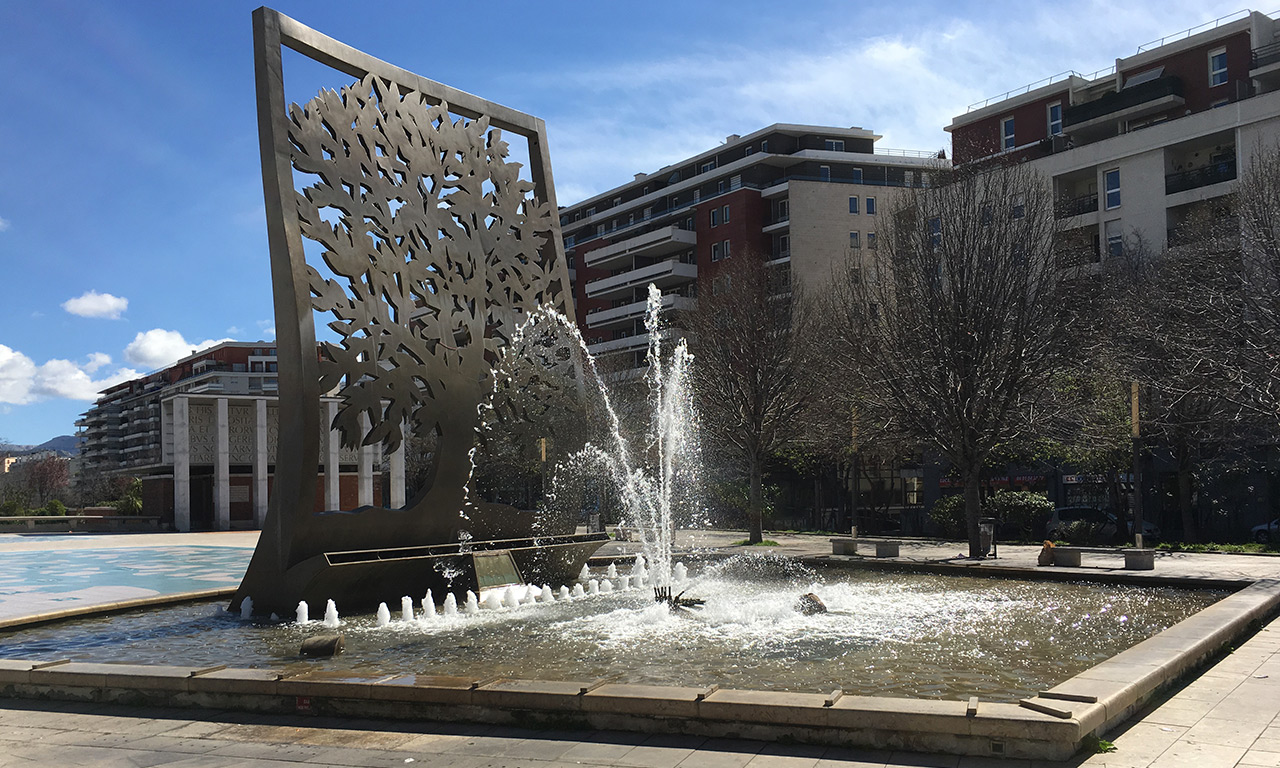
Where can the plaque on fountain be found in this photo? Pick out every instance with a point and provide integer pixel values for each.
(428, 246)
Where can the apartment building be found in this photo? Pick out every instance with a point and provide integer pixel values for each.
(804, 198)
(1148, 146)
(202, 435)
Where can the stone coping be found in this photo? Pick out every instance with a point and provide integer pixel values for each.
(101, 609)
(1052, 725)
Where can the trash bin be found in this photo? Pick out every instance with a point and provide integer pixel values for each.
(987, 535)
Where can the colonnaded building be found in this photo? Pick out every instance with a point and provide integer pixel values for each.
(202, 435)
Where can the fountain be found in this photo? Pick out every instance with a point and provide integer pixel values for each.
(471, 304)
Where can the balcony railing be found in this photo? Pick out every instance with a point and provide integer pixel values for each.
(1200, 177)
(1074, 206)
(1170, 85)
(1264, 55)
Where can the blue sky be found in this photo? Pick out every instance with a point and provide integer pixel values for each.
(131, 217)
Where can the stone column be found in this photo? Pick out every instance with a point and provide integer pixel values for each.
(332, 460)
(222, 468)
(181, 465)
(260, 462)
(365, 483)
(396, 467)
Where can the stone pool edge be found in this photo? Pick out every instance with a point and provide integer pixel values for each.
(103, 609)
(1053, 725)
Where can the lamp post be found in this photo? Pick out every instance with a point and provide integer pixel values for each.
(1137, 455)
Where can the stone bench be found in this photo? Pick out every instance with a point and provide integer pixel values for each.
(846, 545)
(1134, 559)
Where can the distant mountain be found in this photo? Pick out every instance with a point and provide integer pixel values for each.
(62, 443)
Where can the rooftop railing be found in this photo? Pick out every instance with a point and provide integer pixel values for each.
(1264, 55)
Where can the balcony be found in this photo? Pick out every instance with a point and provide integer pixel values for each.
(656, 244)
(664, 275)
(1149, 98)
(1067, 207)
(1264, 56)
(629, 343)
(1213, 173)
(629, 313)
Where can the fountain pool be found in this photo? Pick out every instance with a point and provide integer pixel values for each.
(909, 635)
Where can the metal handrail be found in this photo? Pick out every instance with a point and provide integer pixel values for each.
(1189, 32)
(1051, 79)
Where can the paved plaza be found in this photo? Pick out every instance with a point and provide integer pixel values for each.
(1227, 716)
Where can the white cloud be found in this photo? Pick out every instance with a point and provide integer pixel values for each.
(4, 224)
(23, 382)
(268, 329)
(157, 348)
(94, 304)
(235, 330)
(96, 361)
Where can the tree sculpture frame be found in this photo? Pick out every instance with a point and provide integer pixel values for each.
(434, 249)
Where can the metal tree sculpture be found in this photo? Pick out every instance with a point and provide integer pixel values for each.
(434, 249)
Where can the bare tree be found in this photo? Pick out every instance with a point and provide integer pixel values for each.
(754, 342)
(1201, 328)
(958, 327)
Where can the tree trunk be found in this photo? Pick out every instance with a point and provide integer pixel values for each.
(755, 506)
(1190, 533)
(972, 510)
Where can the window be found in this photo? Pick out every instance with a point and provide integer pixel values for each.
(748, 150)
(1018, 206)
(784, 247)
(1115, 239)
(568, 241)
(722, 186)
(857, 175)
(1007, 140)
(1218, 67)
(824, 172)
(710, 165)
(855, 242)
(764, 146)
(617, 201)
(724, 214)
(591, 211)
(715, 251)
(568, 262)
(648, 212)
(599, 229)
(1055, 119)
(871, 206)
(935, 231)
(724, 249)
(784, 210)
(871, 240)
(720, 285)
(853, 205)
(834, 145)
(697, 195)
(715, 217)
(1112, 184)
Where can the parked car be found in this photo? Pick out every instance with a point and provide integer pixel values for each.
(1063, 516)
(1105, 520)
(1267, 532)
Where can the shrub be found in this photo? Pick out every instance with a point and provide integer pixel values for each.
(130, 502)
(947, 516)
(55, 508)
(11, 508)
(1022, 514)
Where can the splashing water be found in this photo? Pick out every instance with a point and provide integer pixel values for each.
(302, 616)
(658, 482)
(331, 614)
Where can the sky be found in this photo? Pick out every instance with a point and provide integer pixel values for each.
(132, 226)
